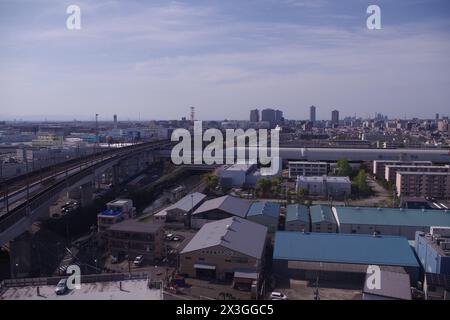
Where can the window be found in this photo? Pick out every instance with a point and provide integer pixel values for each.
(187, 258)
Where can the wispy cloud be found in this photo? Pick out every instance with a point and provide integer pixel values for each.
(157, 58)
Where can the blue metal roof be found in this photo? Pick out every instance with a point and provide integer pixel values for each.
(393, 217)
(321, 213)
(344, 248)
(111, 212)
(265, 208)
(297, 212)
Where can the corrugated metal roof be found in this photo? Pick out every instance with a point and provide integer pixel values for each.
(297, 212)
(265, 208)
(320, 213)
(392, 217)
(187, 201)
(344, 248)
(229, 204)
(392, 285)
(234, 233)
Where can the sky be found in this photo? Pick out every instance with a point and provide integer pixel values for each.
(154, 59)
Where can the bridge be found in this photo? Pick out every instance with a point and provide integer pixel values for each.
(30, 199)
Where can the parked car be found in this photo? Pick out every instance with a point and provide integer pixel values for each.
(278, 296)
(138, 260)
(61, 287)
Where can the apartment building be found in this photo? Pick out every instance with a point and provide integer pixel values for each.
(423, 184)
(379, 166)
(391, 170)
(307, 168)
(325, 186)
(134, 238)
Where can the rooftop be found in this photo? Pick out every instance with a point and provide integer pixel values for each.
(296, 212)
(344, 248)
(229, 204)
(239, 167)
(324, 178)
(111, 212)
(264, 208)
(321, 213)
(234, 233)
(391, 216)
(393, 285)
(131, 290)
(410, 173)
(187, 202)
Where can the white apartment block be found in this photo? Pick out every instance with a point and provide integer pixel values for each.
(307, 168)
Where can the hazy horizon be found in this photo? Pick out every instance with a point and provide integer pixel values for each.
(152, 60)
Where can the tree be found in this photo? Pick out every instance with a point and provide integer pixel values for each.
(263, 185)
(360, 182)
(211, 181)
(343, 168)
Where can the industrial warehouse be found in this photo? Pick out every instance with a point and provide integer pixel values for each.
(389, 221)
(340, 257)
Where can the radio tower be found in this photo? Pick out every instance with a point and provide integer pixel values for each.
(192, 114)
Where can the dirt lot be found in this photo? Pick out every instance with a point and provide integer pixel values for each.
(303, 290)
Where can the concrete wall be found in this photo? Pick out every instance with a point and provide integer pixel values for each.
(402, 231)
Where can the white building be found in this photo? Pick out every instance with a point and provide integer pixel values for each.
(116, 211)
(325, 186)
(235, 175)
(307, 168)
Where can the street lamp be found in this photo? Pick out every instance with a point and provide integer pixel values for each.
(16, 270)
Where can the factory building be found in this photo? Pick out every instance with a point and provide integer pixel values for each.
(180, 211)
(433, 250)
(265, 213)
(340, 257)
(388, 221)
(394, 285)
(322, 219)
(219, 208)
(297, 218)
(228, 249)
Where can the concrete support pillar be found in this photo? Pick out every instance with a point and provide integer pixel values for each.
(86, 194)
(20, 256)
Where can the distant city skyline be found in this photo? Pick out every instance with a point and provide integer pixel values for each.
(147, 61)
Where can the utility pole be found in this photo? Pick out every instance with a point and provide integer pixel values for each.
(316, 291)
